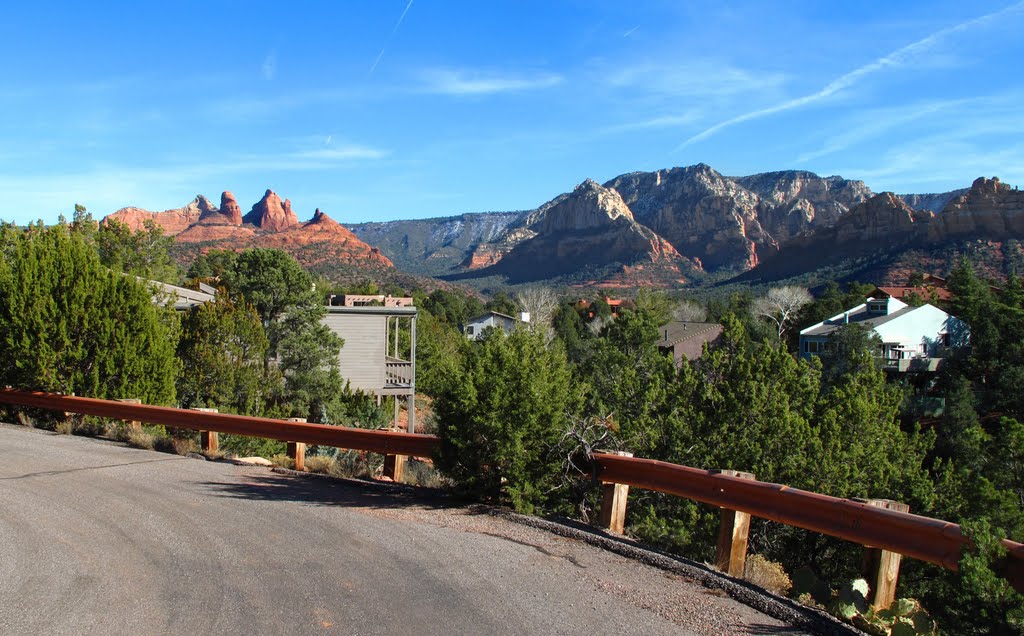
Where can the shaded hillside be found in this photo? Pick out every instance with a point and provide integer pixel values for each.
(884, 238)
(434, 246)
(589, 231)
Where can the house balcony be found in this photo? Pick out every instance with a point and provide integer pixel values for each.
(398, 376)
(913, 364)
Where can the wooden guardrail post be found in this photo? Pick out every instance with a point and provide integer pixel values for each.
(613, 502)
(297, 450)
(208, 441)
(731, 552)
(134, 425)
(394, 467)
(881, 567)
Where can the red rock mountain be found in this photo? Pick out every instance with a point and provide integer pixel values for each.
(885, 229)
(201, 226)
(271, 213)
(172, 221)
(589, 228)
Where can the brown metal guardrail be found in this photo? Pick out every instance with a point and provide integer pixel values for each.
(384, 442)
(924, 538)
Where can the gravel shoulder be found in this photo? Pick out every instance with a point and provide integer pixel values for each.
(99, 538)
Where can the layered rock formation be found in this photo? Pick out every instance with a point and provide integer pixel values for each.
(201, 226)
(271, 213)
(172, 221)
(229, 212)
(590, 228)
(885, 227)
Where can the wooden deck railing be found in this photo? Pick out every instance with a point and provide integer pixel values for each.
(875, 524)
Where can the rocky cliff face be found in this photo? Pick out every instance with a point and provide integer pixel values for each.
(437, 246)
(229, 212)
(990, 208)
(320, 242)
(932, 202)
(886, 227)
(172, 221)
(590, 228)
(703, 214)
(271, 213)
(794, 201)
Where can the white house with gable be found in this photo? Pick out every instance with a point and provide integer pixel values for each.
(475, 326)
(913, 338)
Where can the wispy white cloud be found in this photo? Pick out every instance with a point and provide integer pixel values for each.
(390, 36)
(897, 58)
(655, 122)
(701, 79)
(466, 82)
(875, 122)
(345, 153)
(631, 31)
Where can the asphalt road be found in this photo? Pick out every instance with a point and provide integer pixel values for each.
(96, 538)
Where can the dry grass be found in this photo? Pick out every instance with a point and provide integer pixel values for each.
(767, 574)
(25, 420)
(139, 439)
(419, 473)
(283, 461)
(321, 464)
(65, 427)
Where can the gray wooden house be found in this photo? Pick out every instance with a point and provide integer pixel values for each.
(371, 359)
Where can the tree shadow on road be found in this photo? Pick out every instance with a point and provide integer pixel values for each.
(332, 491)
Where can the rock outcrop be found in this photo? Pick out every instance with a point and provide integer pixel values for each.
(885, 227)
(200, 226)
(229, 212)
(932, 202)
(590, 228)
(172, 221)
(322, 240)
(271, 213)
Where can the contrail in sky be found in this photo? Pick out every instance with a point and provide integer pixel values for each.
(897, 57)
(388, 41)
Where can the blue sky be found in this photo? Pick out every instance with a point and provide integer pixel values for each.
(391, 109)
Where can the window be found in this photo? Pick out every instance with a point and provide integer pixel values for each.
(813, 346)
(469, 330)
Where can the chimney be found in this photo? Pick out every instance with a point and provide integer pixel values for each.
(524, 316)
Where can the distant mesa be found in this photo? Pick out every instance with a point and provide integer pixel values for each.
(201, 226)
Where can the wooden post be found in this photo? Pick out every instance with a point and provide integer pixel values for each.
(731, 552)
(297, 450)
(881, 568)
(208, 442)
(613, 502)
(134, 425)
(394, 466)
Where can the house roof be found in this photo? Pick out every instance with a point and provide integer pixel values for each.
(680, 330)
(183, 297)
(486, 314)
(859, 315)
(901, 292)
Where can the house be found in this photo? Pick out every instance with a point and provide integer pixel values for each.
(684, 340)
(475, 326)
(183, 298)
(372, 358)
(587, 307)
(913, 338)
(370, 300)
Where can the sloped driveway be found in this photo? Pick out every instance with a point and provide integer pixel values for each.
(96, 538)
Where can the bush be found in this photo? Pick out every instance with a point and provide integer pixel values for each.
(69, 324)
(500, 418)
